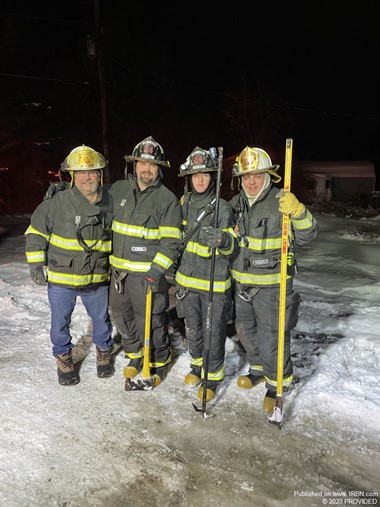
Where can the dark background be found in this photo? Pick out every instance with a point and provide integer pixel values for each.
(109, 73)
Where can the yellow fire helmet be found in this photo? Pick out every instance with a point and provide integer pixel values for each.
(256, 161)
(83, 158)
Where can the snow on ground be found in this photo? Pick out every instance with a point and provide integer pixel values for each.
(95, 444)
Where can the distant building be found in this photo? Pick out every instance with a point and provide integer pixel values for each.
(337, 180)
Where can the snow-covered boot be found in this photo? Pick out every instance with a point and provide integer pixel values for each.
(67, 376)
(104, 366)
(249, 381)
(193, 378)
(212, 386)
(133, 368)
(269, 401)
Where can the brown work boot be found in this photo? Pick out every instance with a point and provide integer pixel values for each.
(67, 376)
(104, 366)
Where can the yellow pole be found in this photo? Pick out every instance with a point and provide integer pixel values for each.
(276, 417)
(148, 317)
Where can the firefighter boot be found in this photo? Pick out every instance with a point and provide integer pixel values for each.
(133, 368)
(193, 378)
(212, 386)
(269, 402)
(249, 381)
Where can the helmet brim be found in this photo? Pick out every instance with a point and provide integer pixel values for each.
(272, 169)
(197, 171)
(131, 158)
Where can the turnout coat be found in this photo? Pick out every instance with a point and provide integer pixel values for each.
(260, 235)
(72, 238)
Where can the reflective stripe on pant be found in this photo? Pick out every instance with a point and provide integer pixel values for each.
(195, 306)
(256, 324)
(128, 314)
(62, 303)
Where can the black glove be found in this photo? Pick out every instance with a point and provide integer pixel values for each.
(152, 280)
(216, 238)
(56, 187)
(38, 276)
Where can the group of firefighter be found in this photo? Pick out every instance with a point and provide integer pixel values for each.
(117, 245)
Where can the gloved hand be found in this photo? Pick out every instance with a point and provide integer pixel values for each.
(289, 204)
(38, 276)
(152, 279)
(216, 238)
(54, 188)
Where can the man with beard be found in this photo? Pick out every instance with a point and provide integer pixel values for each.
(145, 244)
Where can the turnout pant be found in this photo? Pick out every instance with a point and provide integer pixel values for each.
(128, 313)
(193, 307)
(256, 324)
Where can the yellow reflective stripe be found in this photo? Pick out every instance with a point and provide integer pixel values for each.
(256, 367)
(162, 260)
(170, 232)
(32, 230)
(200, 250)
(124, 264)
(230, 231)
(158, 364)
(75, 280)
(72, 244)
(128, 230)
(229, 250)
(304, 223)
(197, 361)
(143, 232)
(38, 256)
(135, 355)
(200, 284)
(261, 245)
(219, 375)
(285, 382)
(253, 279)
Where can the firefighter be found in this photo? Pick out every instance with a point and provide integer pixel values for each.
(200, 234)
(258, 210)
(67, 247)
(147, 232)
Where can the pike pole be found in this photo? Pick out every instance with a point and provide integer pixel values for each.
(276, 416)
(207, 339)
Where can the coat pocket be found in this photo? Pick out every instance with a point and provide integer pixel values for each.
(60, 261)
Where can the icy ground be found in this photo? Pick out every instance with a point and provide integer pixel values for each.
(95, 444)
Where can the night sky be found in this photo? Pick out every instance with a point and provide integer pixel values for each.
(193, 73)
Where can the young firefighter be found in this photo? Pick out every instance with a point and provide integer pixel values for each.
(71, 235)
(200, 234)
(147, 232)
(258, 210)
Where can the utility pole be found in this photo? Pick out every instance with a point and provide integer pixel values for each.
(102, 86)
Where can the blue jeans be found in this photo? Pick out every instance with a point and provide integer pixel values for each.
(62, 303)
